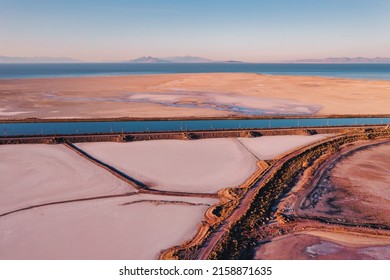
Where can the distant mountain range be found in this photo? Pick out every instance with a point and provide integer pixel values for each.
(195, 59)
(143, 59)
(13, 59)
(344, 60)
(191, 59)
(174, 59)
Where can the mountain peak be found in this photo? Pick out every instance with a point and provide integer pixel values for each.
(188, 59)
(147, 59)
(358, 59)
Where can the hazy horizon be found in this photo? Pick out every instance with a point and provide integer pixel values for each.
(176, 59)
(248, 30)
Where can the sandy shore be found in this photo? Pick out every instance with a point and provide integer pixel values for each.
(190, 95)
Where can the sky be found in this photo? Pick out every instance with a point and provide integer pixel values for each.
(248, 30)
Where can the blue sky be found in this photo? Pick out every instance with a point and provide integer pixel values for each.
(250, 30)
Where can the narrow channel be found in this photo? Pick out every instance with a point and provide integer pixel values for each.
(96, 127)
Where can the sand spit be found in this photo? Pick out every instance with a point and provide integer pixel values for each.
(191, 95)
(114, 228)
(204, 166)
(33, 174)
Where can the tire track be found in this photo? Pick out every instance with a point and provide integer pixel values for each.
(66, 201)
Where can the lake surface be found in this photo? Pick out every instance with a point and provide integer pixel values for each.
(64, 128)
(356, 71)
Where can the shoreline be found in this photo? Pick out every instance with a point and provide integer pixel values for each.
(190, 73)
(151, 73)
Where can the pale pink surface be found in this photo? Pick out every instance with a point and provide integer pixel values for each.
(100, 229)
(205, 165)
(33, 174)
(12, 113)
(269, 147)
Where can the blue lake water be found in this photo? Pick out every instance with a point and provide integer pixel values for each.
(58, 128)
(356, 71)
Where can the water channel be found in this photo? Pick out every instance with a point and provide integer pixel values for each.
(100, 127)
